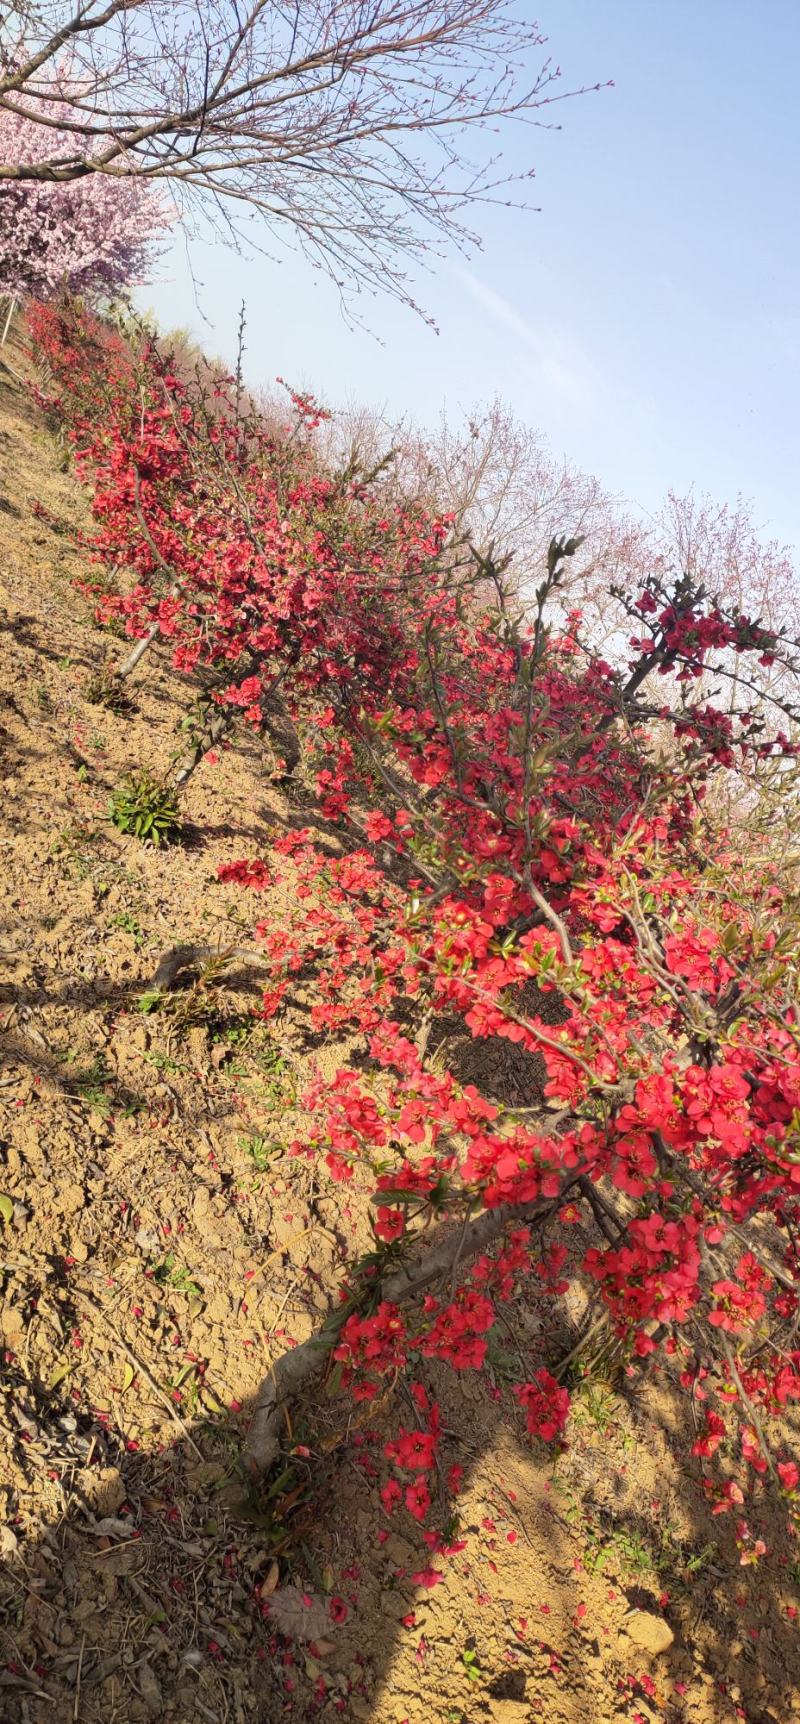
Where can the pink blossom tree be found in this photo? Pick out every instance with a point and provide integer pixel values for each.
(93, 236)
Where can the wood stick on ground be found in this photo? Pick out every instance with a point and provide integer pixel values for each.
(77, 1707)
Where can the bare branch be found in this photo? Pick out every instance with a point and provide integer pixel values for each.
(340, 125)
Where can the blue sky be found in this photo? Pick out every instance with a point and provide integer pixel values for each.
(647, 320)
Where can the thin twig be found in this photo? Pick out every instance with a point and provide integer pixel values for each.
(76, 1707)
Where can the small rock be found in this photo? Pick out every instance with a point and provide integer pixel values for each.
(104, 1489)
(9, 1543)
(651, 1632)
(71, 1198)
(510, 1712)
(12, 1324)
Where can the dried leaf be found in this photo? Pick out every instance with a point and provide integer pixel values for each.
(150, 1690)
(13, 1679)
(298, 1615)
(118, 1559)
(112, 1527)
(268, 1586)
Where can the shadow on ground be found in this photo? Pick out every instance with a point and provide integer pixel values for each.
(144, 1577)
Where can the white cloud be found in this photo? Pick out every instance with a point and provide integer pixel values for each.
(558, 363)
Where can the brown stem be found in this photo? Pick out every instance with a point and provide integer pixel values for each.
(218, 724)
(191, 957)
(129, 664)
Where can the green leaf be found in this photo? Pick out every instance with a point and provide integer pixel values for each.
(6, 1206)
(394, 1195)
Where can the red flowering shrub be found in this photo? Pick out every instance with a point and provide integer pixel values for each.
(515, 813)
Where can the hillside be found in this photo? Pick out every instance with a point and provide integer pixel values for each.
(161, 1245)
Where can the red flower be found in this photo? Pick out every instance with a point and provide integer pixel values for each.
(391, 1496)
(418, 1499)
(390, 1224)
(428, 1577)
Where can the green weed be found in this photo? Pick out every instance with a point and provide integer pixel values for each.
(129, 924)
(260, 1150)
(146, 807)
(469, 1659)
(169, 1273)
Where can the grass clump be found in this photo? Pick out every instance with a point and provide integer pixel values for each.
(147, 808)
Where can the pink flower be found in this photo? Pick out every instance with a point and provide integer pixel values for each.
(391, 1495)
(427, 1577)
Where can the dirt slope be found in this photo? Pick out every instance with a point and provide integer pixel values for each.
(160, 1246)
